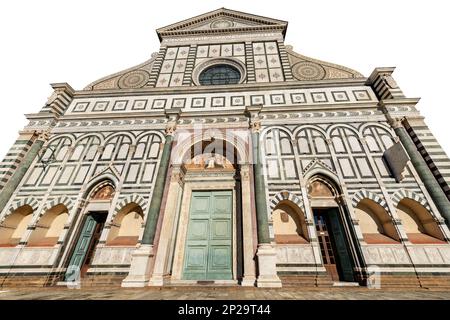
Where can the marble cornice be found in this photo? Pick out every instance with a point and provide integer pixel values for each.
(244, 87)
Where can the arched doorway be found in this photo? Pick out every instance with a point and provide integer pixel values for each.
(208, 214)
(93, 222)
(211, 175)
(332, 232)
(209, 242)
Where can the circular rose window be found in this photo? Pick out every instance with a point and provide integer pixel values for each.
(219, 74)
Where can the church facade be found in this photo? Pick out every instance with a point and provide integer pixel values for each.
(228, 159)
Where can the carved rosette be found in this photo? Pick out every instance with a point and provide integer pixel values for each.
(134, 79)
(308, 71)
(222, 24)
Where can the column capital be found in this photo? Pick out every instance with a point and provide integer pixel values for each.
(255, 126)
(43, 135)
(252, 112)
(395, 122)
(170, 129)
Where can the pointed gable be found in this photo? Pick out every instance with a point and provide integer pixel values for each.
(222, 21)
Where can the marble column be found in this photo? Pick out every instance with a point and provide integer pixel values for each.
(249, 277)
(20, 172)
(266, 254)
(427, 177)
(168, 226)
(139, 274)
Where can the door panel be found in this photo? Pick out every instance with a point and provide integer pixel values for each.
(81, 249)
(341, 244)
(220, 230)
(326, 245)
(208, 252)
(333, 244)
(199, 230)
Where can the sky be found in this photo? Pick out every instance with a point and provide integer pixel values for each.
(77, 42)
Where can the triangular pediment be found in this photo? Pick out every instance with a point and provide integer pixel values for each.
(108, 170)
(221, 21)
(318, 165)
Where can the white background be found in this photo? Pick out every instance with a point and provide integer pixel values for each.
(47, 41)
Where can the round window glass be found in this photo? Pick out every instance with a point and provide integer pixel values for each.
(220, 74)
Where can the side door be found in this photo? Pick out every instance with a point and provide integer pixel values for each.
(81, 249)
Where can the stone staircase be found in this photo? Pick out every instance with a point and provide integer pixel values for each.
(102, 280)
(321, 280)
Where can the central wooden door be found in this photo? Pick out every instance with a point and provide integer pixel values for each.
(208, 251)
(333, 244)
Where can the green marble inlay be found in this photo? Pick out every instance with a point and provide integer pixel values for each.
(425, 174)
(12, 184)
(158, 192)
(260, 193)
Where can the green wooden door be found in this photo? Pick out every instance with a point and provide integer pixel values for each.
(342, 246)
(208, 251)
(81, 249)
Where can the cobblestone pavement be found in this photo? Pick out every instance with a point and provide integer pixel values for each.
(226, 293)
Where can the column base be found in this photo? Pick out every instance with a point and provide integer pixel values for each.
(139, 274)
(156, 281)
(267, 260)
(248, 281)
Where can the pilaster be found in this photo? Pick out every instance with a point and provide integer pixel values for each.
(266, 253)
(429, 181)
(140, 272)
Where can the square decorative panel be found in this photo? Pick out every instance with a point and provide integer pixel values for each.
(214, 51)
(361, 95)
(227, 50)
(183, 52)
(340, 96)
(277, 99)
(218, 102)
(120, 105)
(100, 106)
(163, 80)
(276, 75)
(238, 49)
(271, 47)
(298, 98)
(319, 97)
(258, 48)
(180, 65)
(255, 100)
(262, 75)
(139, 104)
(177, 80)
(81, 107)
(273, 61)
(202, 51)
(260, 62)
(159, 104)
(171, 53)
(198, 103)
(167, 66)
(178, 103)
(237, 101)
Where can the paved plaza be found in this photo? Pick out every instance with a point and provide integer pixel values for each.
(225, 293)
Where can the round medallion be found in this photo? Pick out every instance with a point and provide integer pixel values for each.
(134, 79)
(308, 71)
(222, 24)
